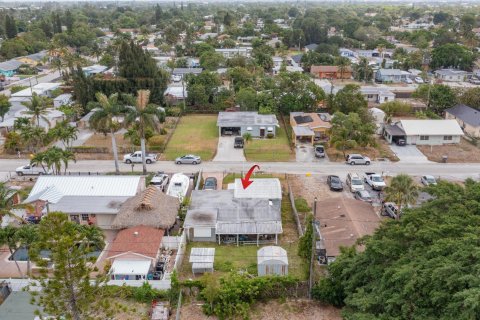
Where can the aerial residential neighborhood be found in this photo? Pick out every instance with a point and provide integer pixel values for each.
(239, 160)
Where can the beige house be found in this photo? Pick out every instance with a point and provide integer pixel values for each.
(467, 117)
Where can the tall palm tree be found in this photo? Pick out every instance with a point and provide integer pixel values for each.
(65, 133)
(343, 64)
(104, 118)
(145, 115)
(53, 159)
(363, 70)
(37, 108)
(403, 191)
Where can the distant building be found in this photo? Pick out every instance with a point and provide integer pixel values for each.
(34, 59)
(62, 100)
(331, 72)
(10, 67)
(451, 75)
(93, 70)
(391, 75)
(232, 52)
(467, 117)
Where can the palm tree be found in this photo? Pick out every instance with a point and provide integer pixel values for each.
(363, 70)
(104, 117)
(402, 191)
(37, 108)
(145, 114)
(247, 137)
(65, 133)
(53, 158)
(94, 238)
(343, 64)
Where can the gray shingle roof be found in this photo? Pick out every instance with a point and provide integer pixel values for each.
(10, 65)
(241, 119)
(466, 114)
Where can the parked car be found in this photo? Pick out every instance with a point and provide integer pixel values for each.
(353, 159)
(210, 183)
(188, 159)
(354, 182)
(238, 142)
(31, 169)
(160, 180)
(375, 181)
(474, 81)
(390, 209)
(176, 78)
(428, 180)
(136, 157)
(419, 80)
(319, 151)
(363, 195)
(334, 183)
(401, 142)
(408, 80)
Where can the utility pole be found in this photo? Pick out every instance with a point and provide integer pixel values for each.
(312, 255)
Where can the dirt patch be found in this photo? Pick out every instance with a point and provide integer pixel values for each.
(273, 310)
(463, 152)
(381, 151)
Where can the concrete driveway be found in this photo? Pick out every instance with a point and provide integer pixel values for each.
(409, 153)
(304, 152)
(226, 151)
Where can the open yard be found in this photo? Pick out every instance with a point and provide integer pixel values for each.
(276, 149)
(382, 150)
(460, 153)
(195, 134)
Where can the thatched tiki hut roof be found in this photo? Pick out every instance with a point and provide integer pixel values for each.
(150, 208)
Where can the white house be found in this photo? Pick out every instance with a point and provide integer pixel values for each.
(232, 52)
(62, 100)
(451, 75)
(424, 132)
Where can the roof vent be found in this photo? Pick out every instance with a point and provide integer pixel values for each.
(135, 233)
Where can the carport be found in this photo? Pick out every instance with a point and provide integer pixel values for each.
(393, 133)
(302, 133)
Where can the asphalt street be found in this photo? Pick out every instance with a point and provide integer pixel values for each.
(442, 170)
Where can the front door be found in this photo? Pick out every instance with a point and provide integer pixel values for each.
(262, 132)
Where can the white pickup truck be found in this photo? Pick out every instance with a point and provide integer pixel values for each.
(375, 181)
(136, 157)
(31, 170)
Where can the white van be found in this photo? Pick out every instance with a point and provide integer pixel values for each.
(354, 182)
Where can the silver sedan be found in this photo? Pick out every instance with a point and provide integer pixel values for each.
(188, 159)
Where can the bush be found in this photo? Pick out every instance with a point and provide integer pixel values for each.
(302, 205)
(156, 141)
(163, 131)
(88, 149)
(13, 141)
(173, 112)
(17, 88)
(225, 266)
(270, 135)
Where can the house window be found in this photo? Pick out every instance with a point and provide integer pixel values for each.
(424, 138)
(84, 217)
(369, 96)
(449, 138)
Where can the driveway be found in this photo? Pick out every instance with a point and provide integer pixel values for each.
(409, 153)
(226, 151)
(304, 152)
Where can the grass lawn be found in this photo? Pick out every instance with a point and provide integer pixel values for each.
(196, 134)
(276, 149)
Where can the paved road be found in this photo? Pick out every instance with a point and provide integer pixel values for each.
(49, 77)
(448, 170)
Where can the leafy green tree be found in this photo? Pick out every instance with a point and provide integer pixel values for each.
(240, 78)
(402, 191)
(69, 21)
(140, 111)
(469, 97)
(363, 71)
(104, 118)
(395, 108)
(8, 233)
(27, 236)
(4, 106)
(202, 88)
(246, 98)
(438, 97)
(211, 61)
(10, 27)
(313, 58)
(350, 99)
(422, 262)
(69, 292)
(452, 55)
(351, 130)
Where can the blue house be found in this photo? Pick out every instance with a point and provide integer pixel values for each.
(9, 68)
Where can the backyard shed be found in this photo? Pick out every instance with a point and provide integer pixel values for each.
(272, 260)
(202, 259)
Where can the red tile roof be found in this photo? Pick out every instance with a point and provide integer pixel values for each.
(140, 239)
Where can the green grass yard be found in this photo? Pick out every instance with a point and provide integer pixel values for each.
(276, 149)
(195, 134)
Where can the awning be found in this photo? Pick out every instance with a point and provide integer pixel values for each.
(270, 129)
(249, 128)
(301, 131)
(130, 267)
(262, 127)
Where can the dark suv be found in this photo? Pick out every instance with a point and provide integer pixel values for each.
(238, 143)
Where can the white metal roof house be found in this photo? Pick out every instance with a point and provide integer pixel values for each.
(239, 123)
(451, 75)
(86, 199)
(424, 132)
(272, 260)
(391, 75)
(237, 214)
(62, 100)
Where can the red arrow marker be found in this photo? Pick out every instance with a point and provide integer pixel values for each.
(246, 181)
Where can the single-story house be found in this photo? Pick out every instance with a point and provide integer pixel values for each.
(276, 70)
(251, 215)
(391, 75)
(151, 208)
(9, 68)
(310, 47)
(183, 71)
(93, 70)
(341, 222)
(42, 89)
(331, 72)
(312, 126)
(467, 117)
(232, 52)
(451, 75)
(64, 99)
(347, 53)
(239, 123)
(53, 116)
(33, 59)
(175, 94)
(134, 252)
(377, 94)
(86, 199)
(424, 132)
